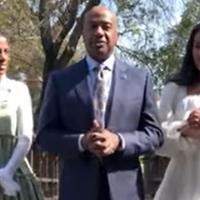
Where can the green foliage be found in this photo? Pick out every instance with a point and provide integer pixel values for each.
(169, 56)
(17, 24)
(46, 34)
(140, 20)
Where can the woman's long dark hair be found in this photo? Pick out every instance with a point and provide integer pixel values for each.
(188, 74)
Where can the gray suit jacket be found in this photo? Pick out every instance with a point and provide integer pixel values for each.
(67, 112)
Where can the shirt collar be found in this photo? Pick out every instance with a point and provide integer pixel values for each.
(109, 63)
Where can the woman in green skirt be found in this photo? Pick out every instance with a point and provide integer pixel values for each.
(17, 181)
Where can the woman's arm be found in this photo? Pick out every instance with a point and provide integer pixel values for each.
(24, 134)
(174, 142)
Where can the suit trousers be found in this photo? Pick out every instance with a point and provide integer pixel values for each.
(104, 192)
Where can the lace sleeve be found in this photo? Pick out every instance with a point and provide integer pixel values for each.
(174, 143)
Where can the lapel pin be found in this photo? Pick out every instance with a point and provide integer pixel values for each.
(123, 76)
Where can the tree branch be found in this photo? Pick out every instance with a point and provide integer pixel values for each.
(45, 27)
(67, 20)
(75, 36)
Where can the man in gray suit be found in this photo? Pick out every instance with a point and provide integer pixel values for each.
(99, 158)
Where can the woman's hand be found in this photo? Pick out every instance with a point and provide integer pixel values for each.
(189, 131)
(9, 185)
(194, 119)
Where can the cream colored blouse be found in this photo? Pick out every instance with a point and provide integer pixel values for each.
(15, 108)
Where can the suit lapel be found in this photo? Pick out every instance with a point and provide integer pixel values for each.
(119, 86)
(120, 78)
(82, 88)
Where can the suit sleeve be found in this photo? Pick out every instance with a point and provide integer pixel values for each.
(51, 135)
(174, 142)
(149, 136)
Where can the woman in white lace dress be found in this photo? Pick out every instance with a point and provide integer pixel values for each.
(180, 117)
(17, 181)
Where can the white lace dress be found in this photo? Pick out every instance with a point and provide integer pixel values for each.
(182, 177)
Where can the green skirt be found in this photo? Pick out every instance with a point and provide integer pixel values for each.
(30, 186)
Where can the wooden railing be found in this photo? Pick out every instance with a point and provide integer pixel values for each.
(45, 166)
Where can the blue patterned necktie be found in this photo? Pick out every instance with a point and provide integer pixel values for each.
(100, 96)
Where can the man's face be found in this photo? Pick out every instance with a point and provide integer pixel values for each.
(100, 32)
